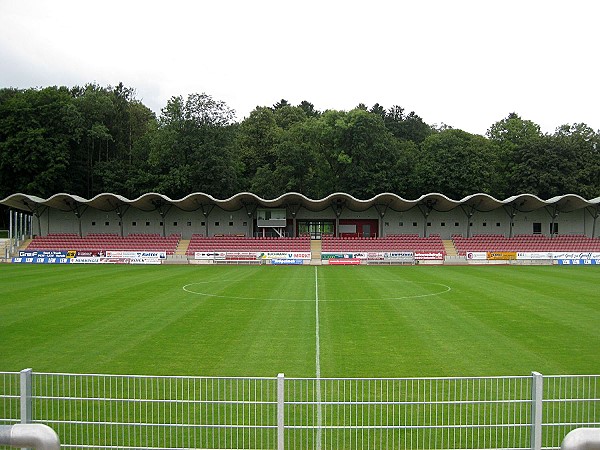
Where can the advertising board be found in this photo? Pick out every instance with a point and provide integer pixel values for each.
(86, 260)
(576, 255)
(476, 256)
(428, 256)
(343, 261)
(134, 254)
(399, 256)
(578, 262)
(44, 254)
(40, 260)
(285, 255)
(534, 255)
(501, 256)
(343, 255)
(209, 255)
(285, 262)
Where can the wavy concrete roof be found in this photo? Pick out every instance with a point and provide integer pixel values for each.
(198, 201)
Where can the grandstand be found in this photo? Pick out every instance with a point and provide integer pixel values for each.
(105, 242)
(433, 227)
(525, 243)
(389, 243)
(200, 243)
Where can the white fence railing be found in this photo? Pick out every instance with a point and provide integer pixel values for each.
(144, 412)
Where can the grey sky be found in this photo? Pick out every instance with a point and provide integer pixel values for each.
(465, 63)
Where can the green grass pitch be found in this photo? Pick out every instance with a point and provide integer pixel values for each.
(260, 321)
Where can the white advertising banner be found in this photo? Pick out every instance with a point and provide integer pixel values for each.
(86, 260)
(476, 255)
(209, 255)
(242, 255)
(126, 254)
(285, 255)
(145, 261)
(534, 255)
(429, 256)
(575, 255)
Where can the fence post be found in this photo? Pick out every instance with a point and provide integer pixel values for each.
(26, 395)
(537, 394)
(280, 411)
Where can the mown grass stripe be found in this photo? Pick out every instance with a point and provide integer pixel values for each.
(372, 321)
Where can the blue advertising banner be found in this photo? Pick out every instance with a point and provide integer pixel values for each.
(288, 262)
(578, 262)
(43, 254)
(40, 260)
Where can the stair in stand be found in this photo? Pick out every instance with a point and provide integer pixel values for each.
(315, 252)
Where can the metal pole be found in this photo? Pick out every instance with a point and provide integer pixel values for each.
(280, 411)
(26, 395)
(537, 393)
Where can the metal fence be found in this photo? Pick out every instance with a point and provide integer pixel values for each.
(148, 412)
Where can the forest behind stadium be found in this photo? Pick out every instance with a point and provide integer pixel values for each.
(92, 139)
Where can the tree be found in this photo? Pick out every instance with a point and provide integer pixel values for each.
(407, 127)
(192, 148)
(361, 155)
(457, 164)
(37, 132)
(579, 147)
(287, 116)
(295, 167)
(517, 140)
(308, 108)
(281, 104)
(256, 140)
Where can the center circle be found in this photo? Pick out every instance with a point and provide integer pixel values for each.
(438, 289)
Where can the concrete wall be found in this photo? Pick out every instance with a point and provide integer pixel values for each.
(219, 221)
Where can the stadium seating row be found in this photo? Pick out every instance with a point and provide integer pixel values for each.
(414, 243)
(200, 243)
(411, 242)
(103, 242)
(526, 243)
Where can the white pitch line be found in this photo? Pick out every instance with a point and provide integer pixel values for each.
(318, 363)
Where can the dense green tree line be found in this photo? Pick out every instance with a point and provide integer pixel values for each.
(93, 139)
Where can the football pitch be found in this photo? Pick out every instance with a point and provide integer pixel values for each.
(302, 321)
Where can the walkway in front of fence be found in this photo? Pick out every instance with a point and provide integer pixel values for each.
(146, 412)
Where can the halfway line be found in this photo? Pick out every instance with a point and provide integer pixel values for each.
(318, 362)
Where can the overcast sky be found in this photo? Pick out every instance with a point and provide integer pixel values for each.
(464, 63)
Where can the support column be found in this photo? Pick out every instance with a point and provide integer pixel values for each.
(294, 211)
(250, 210)
(594, 212)
(469, 213)
(78, 211)
(206, 210)
(162, 211)
(381, 209)
(20, 234)
(553, 214)
(10, 230)
(426, 209)
(512, 213)
(338, 207)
